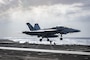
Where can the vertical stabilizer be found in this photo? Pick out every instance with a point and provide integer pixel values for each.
(30, 26)
(36, 27)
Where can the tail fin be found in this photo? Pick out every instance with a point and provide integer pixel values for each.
(30, 26)
(36, 27)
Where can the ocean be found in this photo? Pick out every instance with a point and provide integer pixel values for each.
(68, 41)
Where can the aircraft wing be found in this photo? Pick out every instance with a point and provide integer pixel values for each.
(41, 32)
(32, 33)
(47, 33)
(51, 31)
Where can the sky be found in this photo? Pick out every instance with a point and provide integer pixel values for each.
(14, 14)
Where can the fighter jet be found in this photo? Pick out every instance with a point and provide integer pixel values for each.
(49, 32)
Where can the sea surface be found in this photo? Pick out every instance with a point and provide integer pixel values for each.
(69, 41)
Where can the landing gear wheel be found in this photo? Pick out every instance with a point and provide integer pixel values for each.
(48, 40)
(61, 38)
(40, 40)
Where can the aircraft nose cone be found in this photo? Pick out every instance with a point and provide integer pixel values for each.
(77, 30)
(23, 32)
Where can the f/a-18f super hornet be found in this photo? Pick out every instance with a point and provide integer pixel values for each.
(49, 32)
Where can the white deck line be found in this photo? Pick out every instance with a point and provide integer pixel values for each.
(45, 50)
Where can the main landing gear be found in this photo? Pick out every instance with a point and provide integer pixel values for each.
(41, 39)
(61, 37)
(48, 39)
